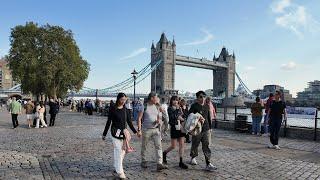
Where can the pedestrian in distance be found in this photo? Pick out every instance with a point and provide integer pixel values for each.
(15, 109)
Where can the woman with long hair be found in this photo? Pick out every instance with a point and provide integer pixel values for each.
(175, 119)
(118, 118)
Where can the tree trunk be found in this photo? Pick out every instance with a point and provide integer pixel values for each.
(54, 93)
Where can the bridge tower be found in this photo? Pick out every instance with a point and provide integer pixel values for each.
(163, 78)
(224, 78)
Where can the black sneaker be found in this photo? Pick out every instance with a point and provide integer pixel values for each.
(164, 156)
(161, 167)
(183, 165)
(144, 165)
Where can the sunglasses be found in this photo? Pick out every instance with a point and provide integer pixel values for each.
(202, 96)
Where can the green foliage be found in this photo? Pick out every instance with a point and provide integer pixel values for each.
(46, 60)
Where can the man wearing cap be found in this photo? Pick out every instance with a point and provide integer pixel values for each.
(204, 137)
(150, 116)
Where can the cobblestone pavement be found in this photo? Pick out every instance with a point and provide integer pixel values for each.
(73, 149)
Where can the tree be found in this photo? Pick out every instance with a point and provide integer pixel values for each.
(46, 60)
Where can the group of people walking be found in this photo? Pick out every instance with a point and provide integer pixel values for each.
(35, 111)
(151, 121)
(275, 113)
(87, 106)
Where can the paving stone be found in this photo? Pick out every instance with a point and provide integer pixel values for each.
(73, 149)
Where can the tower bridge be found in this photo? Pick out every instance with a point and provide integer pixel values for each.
(163, 78)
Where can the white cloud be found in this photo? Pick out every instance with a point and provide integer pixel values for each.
(279, 6)
(249, 68)
(204, 40)
(289, 66)
(134, 53)
(294, 17)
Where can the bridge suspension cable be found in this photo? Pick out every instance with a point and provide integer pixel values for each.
(244, 85)
(143, 78)
(128, 83)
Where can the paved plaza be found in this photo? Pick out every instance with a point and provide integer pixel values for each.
(73, 149)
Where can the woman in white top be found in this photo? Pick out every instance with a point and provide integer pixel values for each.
(40, 113)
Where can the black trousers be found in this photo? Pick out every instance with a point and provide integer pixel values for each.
(89, 111)
(45, 117)
(52, 119)
(274, 127)
(14, 120)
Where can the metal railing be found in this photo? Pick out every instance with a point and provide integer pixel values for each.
(230, 114)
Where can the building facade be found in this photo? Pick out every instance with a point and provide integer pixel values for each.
(6, 81)
(267, 89)
(311, 95)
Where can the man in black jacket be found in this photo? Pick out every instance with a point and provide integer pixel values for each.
(204, 137)
(54, 108)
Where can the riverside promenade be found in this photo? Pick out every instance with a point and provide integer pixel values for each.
(73, 149)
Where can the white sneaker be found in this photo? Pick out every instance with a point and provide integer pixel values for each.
(277, 147)
(193, 161)
(211, 167)
(37, 127)
(271, 146)
(122, 176)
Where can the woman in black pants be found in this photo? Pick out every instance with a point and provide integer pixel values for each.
(118, 118)
(175, 119)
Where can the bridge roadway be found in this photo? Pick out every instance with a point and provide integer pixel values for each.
(199, 63)
(73, 149)
(105, 95)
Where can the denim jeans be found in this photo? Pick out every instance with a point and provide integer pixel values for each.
(256, 124)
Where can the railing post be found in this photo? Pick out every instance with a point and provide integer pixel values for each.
(224, 113)
(315, 126)
(285, 128)
(235, 113)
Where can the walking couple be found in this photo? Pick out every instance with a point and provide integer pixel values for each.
(149, 120)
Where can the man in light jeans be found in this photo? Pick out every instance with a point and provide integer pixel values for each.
(151, 132)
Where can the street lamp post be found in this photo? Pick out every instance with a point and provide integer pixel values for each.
(134, 74)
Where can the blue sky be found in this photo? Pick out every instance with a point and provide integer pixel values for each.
(275, 42)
